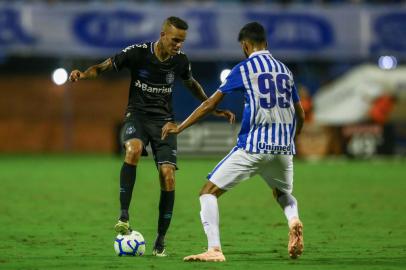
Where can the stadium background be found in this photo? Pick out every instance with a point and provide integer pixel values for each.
(59, 140)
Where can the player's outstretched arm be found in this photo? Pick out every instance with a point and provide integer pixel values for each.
(92, 72)
(300, 116)
(197, 90)
(205, 108)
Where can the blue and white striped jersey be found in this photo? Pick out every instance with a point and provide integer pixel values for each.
(269, 123)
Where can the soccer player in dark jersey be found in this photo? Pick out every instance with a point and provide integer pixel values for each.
(153, 67)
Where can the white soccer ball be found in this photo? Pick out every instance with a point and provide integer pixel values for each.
(130, 245)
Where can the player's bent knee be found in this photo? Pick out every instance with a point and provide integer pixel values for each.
(277, 193)
(210, 188)
(167, 177)
(133, 151)
(168, 185)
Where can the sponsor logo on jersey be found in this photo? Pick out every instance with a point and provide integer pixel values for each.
(275, 148)
(155, 90)
(170, 77)
(143, 73)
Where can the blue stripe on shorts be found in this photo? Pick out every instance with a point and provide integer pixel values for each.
(222, 161)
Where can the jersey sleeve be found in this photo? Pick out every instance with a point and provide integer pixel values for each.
(186, 70)
(295, 95)
(126, 58)
(233, 81)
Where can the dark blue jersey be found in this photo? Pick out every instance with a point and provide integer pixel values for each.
(151, 80)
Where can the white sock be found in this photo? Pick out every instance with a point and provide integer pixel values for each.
(289, 206)
(209, 215)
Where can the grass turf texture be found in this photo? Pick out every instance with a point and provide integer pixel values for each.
(58, 212)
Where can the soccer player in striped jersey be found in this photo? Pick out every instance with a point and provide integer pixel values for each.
(272, 117)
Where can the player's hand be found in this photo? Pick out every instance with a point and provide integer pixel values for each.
(225, 113)
(169, 128)
(76, 75)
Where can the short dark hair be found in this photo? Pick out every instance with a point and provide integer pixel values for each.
(177, 22)
(253, 32)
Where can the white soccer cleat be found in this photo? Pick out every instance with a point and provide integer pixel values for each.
(211, 255)
(159, 247)
(159, 253)
(295, 245)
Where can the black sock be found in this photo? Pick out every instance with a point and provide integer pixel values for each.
(127, 180)
(165, 213)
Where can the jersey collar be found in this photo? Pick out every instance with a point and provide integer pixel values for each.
(153, 53)
(258, 53)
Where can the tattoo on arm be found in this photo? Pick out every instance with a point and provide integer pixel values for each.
(96, 70)
(105, 66)
(196, 89)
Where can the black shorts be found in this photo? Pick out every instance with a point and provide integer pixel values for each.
(149, 131)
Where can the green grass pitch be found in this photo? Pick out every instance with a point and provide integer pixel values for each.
(58, 212)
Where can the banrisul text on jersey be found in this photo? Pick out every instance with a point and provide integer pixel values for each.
(152, 80)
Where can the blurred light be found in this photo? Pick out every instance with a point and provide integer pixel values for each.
(224, 74)
(387, 62)
(59, 76)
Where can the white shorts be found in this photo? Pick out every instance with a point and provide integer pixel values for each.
(239, 165)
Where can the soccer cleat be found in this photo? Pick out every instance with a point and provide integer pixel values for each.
(159, 253)
(295, 245)
(122, 227)
(211, 255)
(159, 247)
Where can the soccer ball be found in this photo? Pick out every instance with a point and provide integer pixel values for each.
(132, 244)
